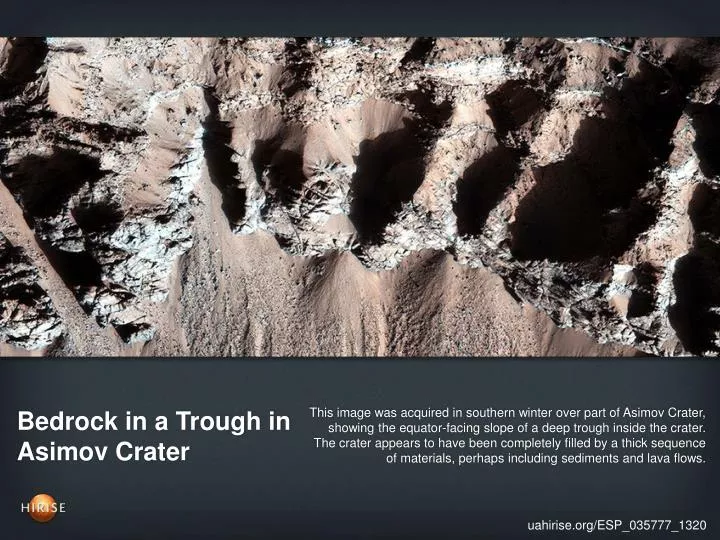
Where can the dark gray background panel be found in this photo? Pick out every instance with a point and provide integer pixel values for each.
(370, 17)
(277, 485)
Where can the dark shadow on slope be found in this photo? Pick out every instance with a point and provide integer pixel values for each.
(222, 170)
(430, 115)
(642, 300)
(653, 101)
(263, 152)
(25, 58)
(697, 277)
(588, 205)
(482, 187)
(77, 269)
(298, 68)
(285, 176)
(706, 121)
(485, 182)
(419, 51)
(98, 217)
(45, 184)
(389, 169)
(583, 207)
(16, 277)
(18, 121)
(696, 290)
(512, 105)
(128, 332)
(704, 212)
(278, 170)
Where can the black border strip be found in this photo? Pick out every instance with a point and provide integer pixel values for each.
(366, 18)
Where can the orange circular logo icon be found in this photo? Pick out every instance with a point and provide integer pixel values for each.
(42, 508)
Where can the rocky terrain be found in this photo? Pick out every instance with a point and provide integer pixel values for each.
(396, 196)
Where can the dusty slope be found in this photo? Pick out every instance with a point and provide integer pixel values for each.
(372, 196)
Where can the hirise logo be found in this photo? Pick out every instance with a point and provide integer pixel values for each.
(43, 508)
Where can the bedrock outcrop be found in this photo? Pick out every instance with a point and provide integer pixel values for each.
(360, 196)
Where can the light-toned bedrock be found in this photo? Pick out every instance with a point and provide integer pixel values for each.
(327, 196)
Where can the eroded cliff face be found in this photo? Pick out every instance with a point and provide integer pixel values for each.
(360, 196)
